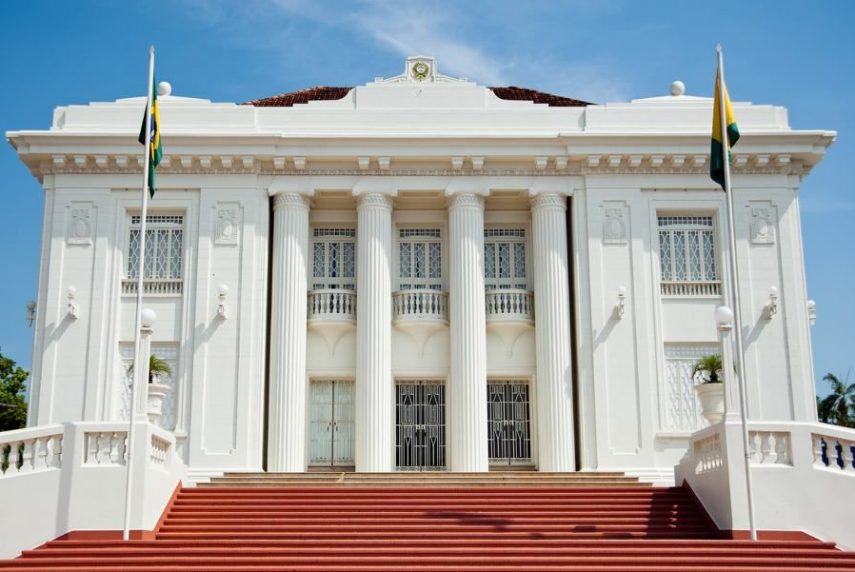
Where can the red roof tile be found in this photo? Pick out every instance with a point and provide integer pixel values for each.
(302, 96)
(323, 93)
(524, 94)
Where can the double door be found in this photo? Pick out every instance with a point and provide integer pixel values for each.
(508, 423)
(420, 426)
(331, 426)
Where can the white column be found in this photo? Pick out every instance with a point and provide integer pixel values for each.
(467, 391)
(373, 399)
(552, 333)
(286, 433)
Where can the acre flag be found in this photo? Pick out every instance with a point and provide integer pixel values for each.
(155, 149)
(717, 151)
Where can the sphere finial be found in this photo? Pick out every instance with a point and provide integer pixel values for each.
(164, 88)
(678, 88)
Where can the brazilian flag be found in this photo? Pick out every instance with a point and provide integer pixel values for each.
(717, 156)
(155, 149)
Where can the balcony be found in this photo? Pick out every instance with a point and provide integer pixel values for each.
(420, 314)
(509, 313)
(509, 305)
(420, 306)
(332, 313)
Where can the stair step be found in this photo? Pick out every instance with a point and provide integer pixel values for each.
(445, 522)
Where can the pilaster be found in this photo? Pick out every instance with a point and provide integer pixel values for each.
(373, 398)
(552, 334)
(286, 439)
(468, 381)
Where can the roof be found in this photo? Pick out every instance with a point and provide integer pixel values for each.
(326, 93)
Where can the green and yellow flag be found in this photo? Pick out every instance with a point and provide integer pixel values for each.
(717, 155)
(155, 148)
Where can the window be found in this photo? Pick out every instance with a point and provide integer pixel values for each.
(334, 258)
(164, 254)
(504, 258)
(687, 258)
(419, 259)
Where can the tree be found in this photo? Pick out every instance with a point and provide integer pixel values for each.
(13, 406)
(838, 407)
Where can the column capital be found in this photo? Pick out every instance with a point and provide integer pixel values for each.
(548, 201)
(290, 200)
(462, 200)
(368, 200)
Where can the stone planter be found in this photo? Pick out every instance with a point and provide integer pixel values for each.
(711, 396)
(156, 394)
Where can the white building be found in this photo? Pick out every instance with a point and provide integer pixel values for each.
(419, 273)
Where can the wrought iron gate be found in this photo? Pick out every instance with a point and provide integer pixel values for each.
(508, 423)
(420, 426)
(331, 428)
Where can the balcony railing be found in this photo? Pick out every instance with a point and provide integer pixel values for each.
(509, 304)
(691, 289)
(332, 305)
(420, 305)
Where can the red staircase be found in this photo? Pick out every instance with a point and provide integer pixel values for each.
(422, 527)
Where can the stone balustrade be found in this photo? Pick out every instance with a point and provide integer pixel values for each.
(31, 450)
(332, 305)
(509, 304)
(420, 305)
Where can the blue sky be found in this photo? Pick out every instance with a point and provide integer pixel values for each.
(784, 53)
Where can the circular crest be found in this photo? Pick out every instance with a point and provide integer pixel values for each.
(420, 71)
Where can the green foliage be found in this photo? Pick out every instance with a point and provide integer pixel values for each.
(708, 367)
(838, 407)
(156, 367)
(13, 384)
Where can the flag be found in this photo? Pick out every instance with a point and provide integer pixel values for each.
(155, 148)
(717, 156)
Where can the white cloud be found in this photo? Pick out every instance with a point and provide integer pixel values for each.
(453, 33)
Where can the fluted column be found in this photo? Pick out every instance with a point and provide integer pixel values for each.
(373, 413)
(552, 333)
(286, 435)
(467, 391)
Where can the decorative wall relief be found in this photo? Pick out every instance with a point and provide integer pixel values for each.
(80, 223)
(763, 217)
(227, 224)
(614, 225)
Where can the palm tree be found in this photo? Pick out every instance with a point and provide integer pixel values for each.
(708, 367)
(156, 367)
(838, 406)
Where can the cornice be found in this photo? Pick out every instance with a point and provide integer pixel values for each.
(534, 166)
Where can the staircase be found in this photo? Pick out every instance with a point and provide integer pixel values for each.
(492, 522)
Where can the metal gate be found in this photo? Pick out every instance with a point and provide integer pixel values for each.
(331, 425)
(508, 423)
(420, 426)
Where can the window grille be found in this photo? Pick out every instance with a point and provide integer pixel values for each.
(680, 409)
(164, 254)
(420, 259)
(504, 258)
(168, 352)
(687, 256)
(419, 232)
(334, 258)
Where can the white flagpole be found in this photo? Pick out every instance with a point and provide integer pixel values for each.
(734, 293)
(139, 368)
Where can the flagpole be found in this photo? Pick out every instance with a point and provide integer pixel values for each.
(734, 291)
(139, 368)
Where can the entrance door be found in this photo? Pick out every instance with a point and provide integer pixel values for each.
(331, 426)
(420, 426)
(508, 423)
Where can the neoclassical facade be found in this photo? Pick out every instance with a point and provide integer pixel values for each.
(419, 273)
